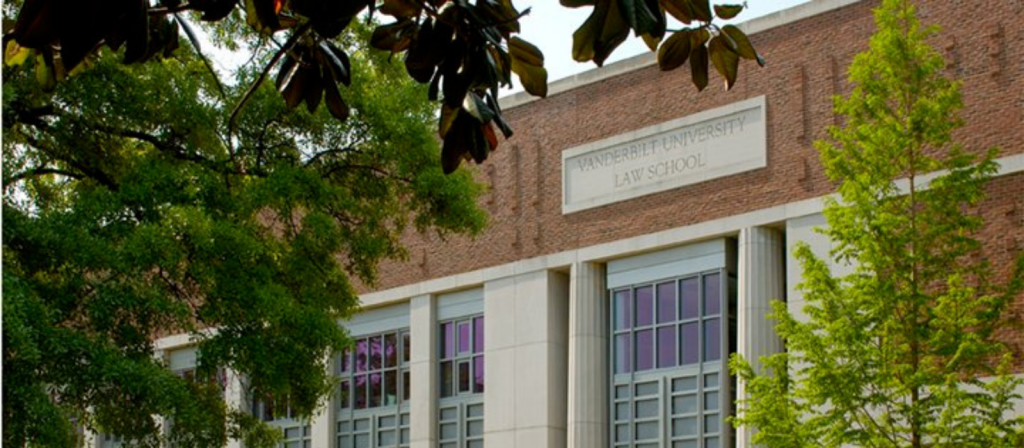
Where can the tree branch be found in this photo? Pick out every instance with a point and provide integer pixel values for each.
(41, 171)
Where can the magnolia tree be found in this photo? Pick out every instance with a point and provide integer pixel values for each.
(901, 352)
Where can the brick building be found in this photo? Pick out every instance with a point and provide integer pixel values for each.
(639, 229)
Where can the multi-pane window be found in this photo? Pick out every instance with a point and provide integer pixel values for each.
(374, 391)
(278, 413)
(461, 408)
(462, 357)
(376, 372)
(669, 349)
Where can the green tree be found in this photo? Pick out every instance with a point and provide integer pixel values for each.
(894, 353)
(463, 49)
(128, 214)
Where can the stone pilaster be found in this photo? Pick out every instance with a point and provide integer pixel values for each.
(588, 363)
(423, 372)
(761, 279)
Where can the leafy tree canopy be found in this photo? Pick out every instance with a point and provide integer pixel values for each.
(464, 50)
(895, 353)
(130, 211)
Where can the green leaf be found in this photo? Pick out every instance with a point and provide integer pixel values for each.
(701, 9)
(577, 3)
(680, 9)
(262, 15)
(727, 12)
(699, 61)
(335, 104)
(674, 52)
(401, 8)
(725, 60)
(742, 45)
(394, 37)
(602, 32)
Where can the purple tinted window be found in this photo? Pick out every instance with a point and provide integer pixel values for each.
(622, 353)
(667, 302)
(712, 295)
(464, 376)
(343, 361)
(375, 389)
(478, 374)
(622, 317)
(667, 346)
(376, 350)
(464, 337)
(689, 343)
(447, 340)
(361, 355)
(406, 348)
(344, 396)
(390, 387)
(406, 385)
(360, 394)
(689, 303)
(644, 305)
(447, 378)
(390, 350)
(644, 350)
(478, 335)
(712, 340)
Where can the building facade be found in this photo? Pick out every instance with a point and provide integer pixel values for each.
(639, 231)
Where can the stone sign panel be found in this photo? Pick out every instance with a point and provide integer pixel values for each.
(704, 146)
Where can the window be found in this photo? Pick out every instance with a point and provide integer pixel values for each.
(669, 352)
(373, 392)
(278, 413)
(461, 358)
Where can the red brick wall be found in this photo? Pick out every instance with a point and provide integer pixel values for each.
(807, 60)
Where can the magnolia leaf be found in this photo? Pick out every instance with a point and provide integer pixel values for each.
(725, 60)
(533, 78)
(335, 103)
(602, 32)
(16, 54)
(394, 37)
(742, 44)
(680, 9)
(675, 51)
(699, 66)
(701, 9)
(727, 12)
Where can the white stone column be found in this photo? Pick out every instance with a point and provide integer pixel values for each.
(588, 363)
(234, 397)
(423, 372)
(761, 279)
(525, 339)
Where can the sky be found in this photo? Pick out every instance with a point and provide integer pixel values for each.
(550, 26)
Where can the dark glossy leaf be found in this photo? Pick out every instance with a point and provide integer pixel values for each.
(38, 23)
(501, 13)
(742, 45)
(701, 9)
(603, 31)
(313, 92)
(727, 11)
(490, 138)
(447, 118)
(641, 17)
(477, 108)
(699, 66)
(335, 104)
(725, 60)
(525, 52)
(506, 130)
(465, 139)
(293, 89)
(393, 37)
(285, 73)
(401, 8)
(680, 9)
(135, 31)
(675, 51)
(435, 86)
(421, 58)
(577, 3)
(338, 62)
(454, 86)
(213, 10)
